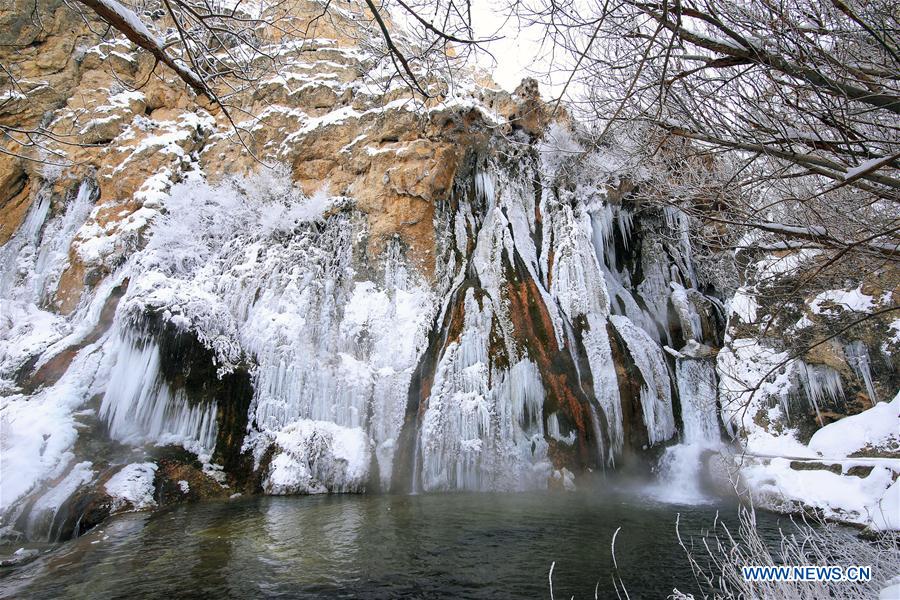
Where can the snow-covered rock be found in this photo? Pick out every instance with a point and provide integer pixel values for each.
(131, 488)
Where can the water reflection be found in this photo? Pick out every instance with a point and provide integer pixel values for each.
(427, 546)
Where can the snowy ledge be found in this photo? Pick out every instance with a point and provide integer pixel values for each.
(842, 485)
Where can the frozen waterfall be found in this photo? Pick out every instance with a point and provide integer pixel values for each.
(682, 467)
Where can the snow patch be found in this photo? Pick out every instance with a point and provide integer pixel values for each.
(131, 488)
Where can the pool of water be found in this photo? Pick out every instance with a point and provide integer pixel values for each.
(426, 546)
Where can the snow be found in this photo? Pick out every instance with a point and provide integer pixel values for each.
(865, 501)
(132, 20)
(315, 457)
(743, 304)
(866, 166)
(851, 300)
(131, 488)
(891, 591)
(875, 428)
(846, 498)
(887, 512)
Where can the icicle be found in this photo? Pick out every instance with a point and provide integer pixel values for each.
(679, 221)
(820, 383)
(553, 430)
(140, 407)
(858, 357)
(484, 188)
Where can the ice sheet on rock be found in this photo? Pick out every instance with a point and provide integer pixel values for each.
(579, 287)
(656, 393)
(132, 487)
(43, 511)
(39, 431)
(18, 254)
(605, 221)
(482, 429)
(316, 457)
(25, 331)
(53, 254)
(691, 324)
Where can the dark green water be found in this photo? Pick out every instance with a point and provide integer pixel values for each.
(430, 546)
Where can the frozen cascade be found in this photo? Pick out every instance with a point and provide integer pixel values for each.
(656, 393)
(679, 221)
(580, 288)
(483, 428)
(618, 283)
(858, 357)
(33, 260)
(681, 467)
(696, 379)
(17, 254)
(53, 255)
(691, 324)
(38, 468)
(140, 407)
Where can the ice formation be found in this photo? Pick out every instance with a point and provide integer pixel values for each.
(483, 428)
(820, 383)
(656, 392)
(139, 406)
(858, 357)
(314, 457)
